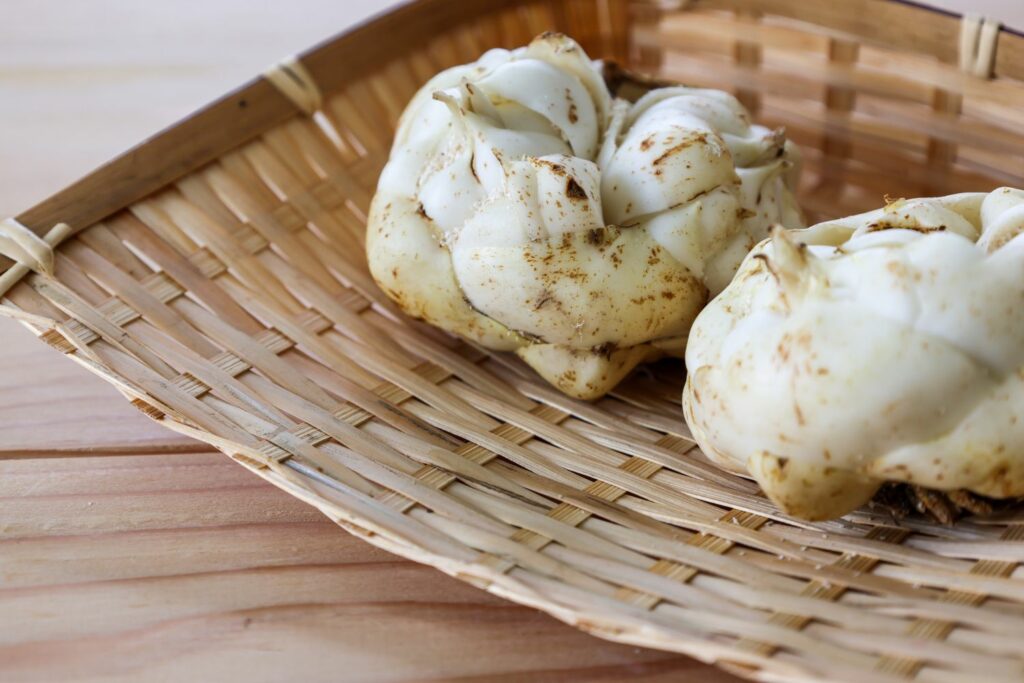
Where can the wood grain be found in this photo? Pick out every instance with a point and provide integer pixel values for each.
(67, 68)
(166, 567)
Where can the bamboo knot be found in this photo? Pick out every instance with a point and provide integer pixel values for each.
(295, 82)
(978, 41)
(29, 251)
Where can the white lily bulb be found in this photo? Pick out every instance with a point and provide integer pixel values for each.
(886, 346)
(526, 209)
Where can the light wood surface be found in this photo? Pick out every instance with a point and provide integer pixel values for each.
(83, 82)
(187, 567)
(128, 552)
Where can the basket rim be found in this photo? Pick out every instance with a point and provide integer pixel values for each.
(257, 106)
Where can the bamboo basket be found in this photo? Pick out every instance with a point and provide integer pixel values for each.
(216, 275)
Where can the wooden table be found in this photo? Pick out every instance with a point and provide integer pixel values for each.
(130, 553)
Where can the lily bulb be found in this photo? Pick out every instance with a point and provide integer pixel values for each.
(526, 209)
(887, 346)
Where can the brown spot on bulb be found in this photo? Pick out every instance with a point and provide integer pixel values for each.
(573, 190)
(596, 236)
(557, 169)
(573, 116)
(675, 149)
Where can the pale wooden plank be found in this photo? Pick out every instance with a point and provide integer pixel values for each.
(88, 514)
(353, 643)
(67, 67)
(180, 492)
(104, 476)
(53, 560)
(215, 590)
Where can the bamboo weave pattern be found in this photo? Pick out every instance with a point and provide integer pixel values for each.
(235, 306)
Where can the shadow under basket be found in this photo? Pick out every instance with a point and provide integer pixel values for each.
(216, 275)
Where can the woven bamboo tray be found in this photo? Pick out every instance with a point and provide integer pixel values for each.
(216, 275)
